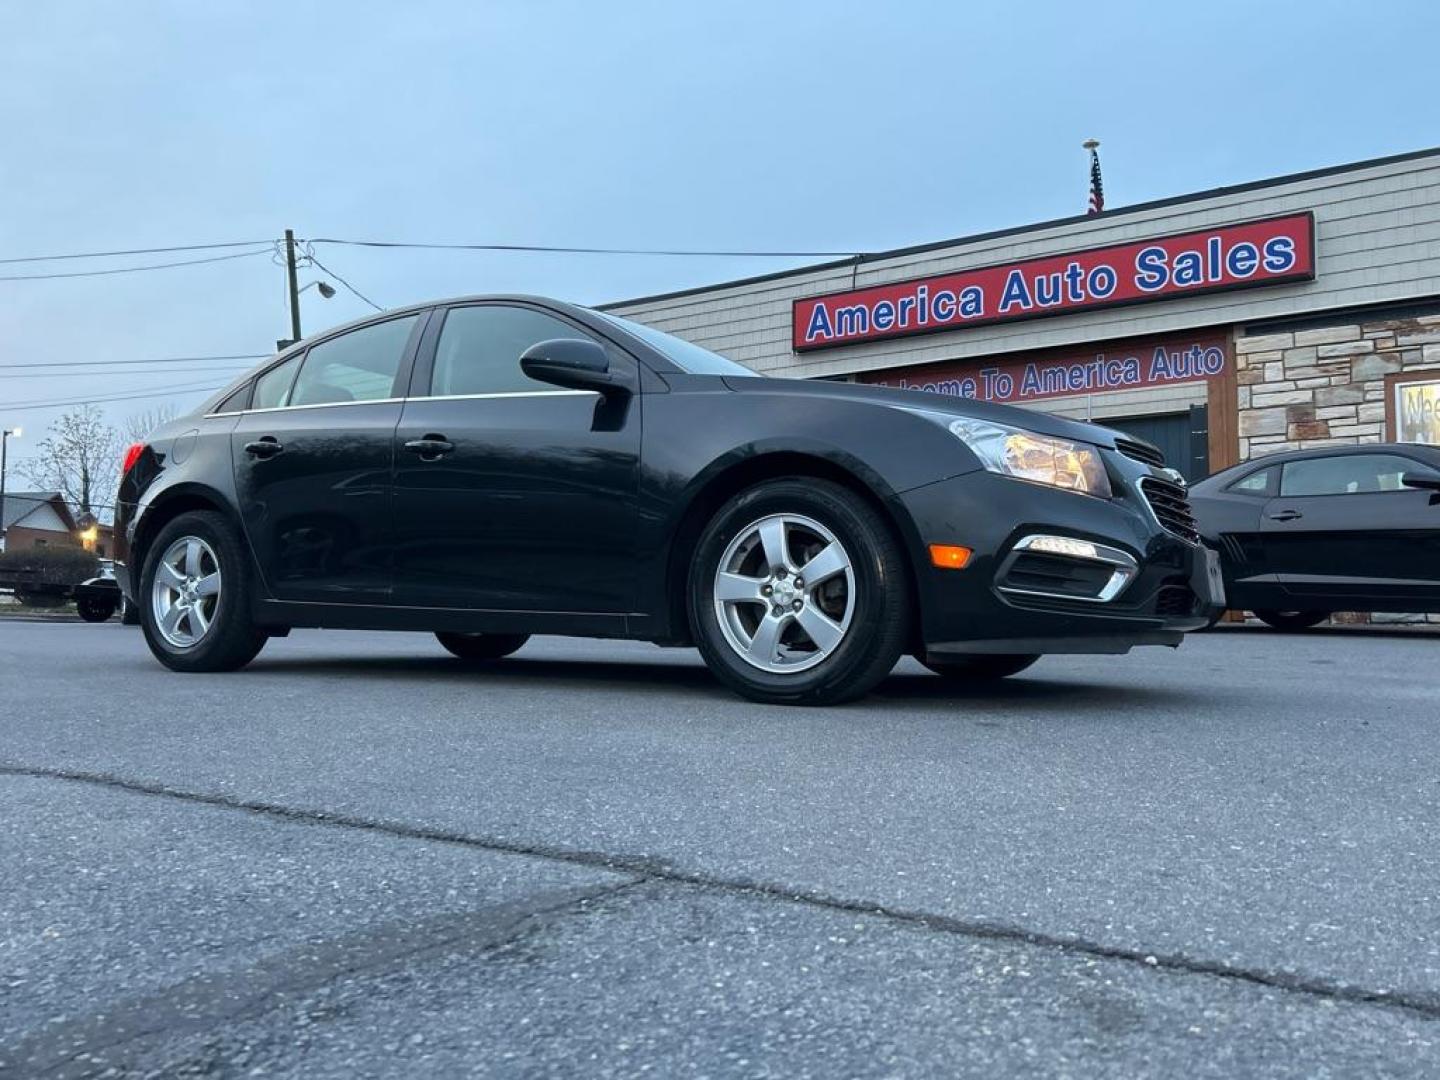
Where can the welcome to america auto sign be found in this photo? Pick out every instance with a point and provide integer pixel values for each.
(1273, 251)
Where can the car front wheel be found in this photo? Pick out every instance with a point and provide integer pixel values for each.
(195, 596)
(1292, 620)
(799, 594)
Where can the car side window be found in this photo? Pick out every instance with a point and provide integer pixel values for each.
(235, 401)
(357, 366)
(272, 388)
(1261, 482)
(479, 349)
(1345, 474)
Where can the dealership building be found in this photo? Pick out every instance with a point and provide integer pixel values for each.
(1296, 312)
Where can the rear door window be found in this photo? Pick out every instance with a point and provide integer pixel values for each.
(357, 366)
(272, 389)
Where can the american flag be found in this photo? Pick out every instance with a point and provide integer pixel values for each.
(1097, 189)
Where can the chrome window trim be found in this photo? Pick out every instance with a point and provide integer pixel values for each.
(1124, 565)
(502, 394)
(394, 400)
(316, 405)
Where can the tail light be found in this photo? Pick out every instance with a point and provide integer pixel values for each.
(132, 455)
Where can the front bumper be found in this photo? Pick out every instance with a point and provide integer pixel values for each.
(1166, 589)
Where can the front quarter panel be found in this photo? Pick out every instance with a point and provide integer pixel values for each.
(702, 430)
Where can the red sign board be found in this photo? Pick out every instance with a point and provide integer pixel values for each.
(1268, 252)
(1071, 371)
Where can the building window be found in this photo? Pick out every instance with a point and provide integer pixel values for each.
(1412, 407)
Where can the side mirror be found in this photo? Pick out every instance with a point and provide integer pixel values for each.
(1425, 481)
(570, 362)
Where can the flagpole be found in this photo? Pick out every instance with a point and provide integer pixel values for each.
(1097, 190)
(1096, 196)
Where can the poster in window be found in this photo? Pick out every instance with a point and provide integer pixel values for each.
(1417, 412)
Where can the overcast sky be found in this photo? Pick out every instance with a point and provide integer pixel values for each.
(755, 125)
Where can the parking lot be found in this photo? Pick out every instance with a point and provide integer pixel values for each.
(359, 856)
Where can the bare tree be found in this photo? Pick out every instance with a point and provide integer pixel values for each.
(138, 426)
(80, 458)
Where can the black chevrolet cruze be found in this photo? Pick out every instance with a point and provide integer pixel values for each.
(490, 468)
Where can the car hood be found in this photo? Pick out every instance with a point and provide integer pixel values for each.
(1041, 423)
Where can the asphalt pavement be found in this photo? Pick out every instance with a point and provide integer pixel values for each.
(360, 858)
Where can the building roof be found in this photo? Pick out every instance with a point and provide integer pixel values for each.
(860, 258)
(21, 504)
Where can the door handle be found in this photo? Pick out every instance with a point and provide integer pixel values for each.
(430, 447)
(267, 446)
(1286, 515)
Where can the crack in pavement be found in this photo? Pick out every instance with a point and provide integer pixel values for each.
(78, 1048)
(646, 869)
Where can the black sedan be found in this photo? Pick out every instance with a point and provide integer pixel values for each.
(1307, 533)
(491, 468)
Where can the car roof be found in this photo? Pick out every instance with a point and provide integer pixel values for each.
(575, 311)
(1225, 476)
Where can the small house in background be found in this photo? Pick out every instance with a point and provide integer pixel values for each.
(37, 519)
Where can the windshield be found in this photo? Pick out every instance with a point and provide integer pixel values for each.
(689, 358)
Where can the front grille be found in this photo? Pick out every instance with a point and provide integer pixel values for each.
(1175, 601)
(1171, 507)
(1141, 451)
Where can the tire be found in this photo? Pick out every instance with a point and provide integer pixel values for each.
(94, 610)
(980, 668)
(481, 647)
(1292, 620)
(221, 636)
(760, 644)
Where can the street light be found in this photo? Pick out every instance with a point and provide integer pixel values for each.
(325, 289)
(5, 436)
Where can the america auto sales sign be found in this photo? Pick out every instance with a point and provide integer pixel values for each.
(1272, 251)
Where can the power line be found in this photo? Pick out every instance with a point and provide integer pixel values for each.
(136, 269)
(337, 277)
(104, 374)
(98, 400)
(548, 249)
(133, 251)
(120, 363)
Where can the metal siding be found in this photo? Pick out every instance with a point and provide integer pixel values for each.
(1377, 240)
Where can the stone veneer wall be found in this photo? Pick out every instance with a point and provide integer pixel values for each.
(1325, 387)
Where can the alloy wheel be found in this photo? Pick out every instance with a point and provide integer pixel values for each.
(784, 593)
(186, 592)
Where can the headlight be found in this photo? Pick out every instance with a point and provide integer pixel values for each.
(1074, 466)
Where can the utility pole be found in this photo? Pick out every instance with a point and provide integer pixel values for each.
(294, 285)
(4, 447)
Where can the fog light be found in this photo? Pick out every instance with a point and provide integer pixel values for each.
(950, 556)
(1064, 545)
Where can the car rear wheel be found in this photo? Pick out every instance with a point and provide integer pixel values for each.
(477, 647)
(92, 610)
(979, 668)
(1292, 620)
(195, 596)
(799, 594)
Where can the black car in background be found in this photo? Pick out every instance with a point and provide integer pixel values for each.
(491, 468)
(1307, 533)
